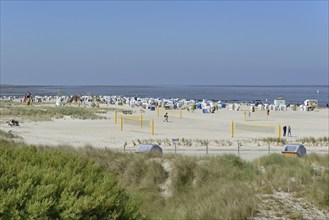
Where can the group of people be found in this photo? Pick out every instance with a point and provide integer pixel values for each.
(285, 133)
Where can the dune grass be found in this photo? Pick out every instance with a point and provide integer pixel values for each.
(201, 188)
(46, 113)
(164, 187)
(8, 135)
(306, 177)
(312, 140)
(218, 187)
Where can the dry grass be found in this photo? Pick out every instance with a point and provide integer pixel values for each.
(46, 113)
(217, 187)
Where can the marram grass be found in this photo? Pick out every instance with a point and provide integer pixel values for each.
(64, 182)
(45, 113)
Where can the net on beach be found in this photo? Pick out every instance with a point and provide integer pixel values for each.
(177, 113)
(240, 127)
(137, 122)
(255, 128)
(255, 116)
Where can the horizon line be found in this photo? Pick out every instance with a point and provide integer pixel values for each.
(152, 85)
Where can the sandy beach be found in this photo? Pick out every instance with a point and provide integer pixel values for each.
(215, 128)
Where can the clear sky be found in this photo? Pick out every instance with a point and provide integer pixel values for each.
(164, 42)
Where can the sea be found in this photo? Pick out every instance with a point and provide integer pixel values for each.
(293, 94)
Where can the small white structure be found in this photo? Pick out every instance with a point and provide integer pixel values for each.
(230, 106)
(279, 102)
(282, 108)
(311, 104)
(59, 101)
(272, 107)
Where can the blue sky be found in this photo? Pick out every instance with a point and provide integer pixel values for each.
(175, 42)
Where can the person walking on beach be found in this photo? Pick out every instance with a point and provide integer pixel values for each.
(284, 130)
(289, 131)
(166, 117)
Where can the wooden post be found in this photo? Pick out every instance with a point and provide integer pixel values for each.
(115, 117)
(269, 148)
(152, 126)
(121, 124)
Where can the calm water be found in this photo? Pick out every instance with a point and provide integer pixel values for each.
(292, 94)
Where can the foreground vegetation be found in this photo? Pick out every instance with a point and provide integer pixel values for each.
(63, 182)
(46, 113)
(39, 183)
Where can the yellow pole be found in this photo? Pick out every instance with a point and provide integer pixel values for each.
(115, 117)
(180, 113)
(152, 126)
(232, 129)
(279, 132)
(121, 124)
(141, 120)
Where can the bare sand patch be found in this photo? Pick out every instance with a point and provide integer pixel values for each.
(193, 125)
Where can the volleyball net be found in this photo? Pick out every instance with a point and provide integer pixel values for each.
(255, 116)
(136, 121)
(177, 113)
(237, 127)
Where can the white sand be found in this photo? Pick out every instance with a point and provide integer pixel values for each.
(193, 125)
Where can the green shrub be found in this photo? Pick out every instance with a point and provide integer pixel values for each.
(48, 183)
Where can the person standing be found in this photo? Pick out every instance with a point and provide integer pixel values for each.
(165, 117)
(284, 130)
(289, 131)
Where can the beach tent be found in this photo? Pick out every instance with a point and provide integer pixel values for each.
(294, 150)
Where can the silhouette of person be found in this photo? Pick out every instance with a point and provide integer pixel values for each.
(165, 117)
(284, 130)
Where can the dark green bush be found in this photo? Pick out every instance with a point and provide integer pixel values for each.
(51, 183)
